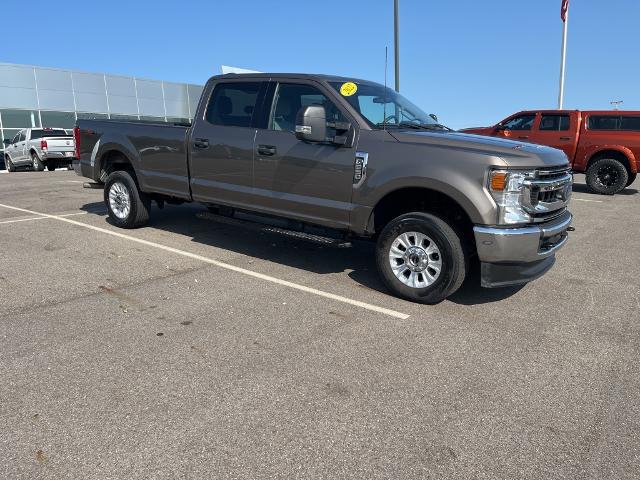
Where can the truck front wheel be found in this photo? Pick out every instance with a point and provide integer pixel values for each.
(421, 258)
(607, 176)
(127, 206)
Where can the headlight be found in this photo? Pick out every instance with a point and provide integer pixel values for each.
(507, 188)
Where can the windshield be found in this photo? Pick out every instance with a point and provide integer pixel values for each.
(382, 106)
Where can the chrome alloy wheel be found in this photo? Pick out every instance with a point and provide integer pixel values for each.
(415, 259)
(119, 200)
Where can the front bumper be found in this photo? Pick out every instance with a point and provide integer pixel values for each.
(512, 256)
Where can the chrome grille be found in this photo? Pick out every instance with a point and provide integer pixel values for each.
(547, 194)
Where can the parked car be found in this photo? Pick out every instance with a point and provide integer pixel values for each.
(603, 144)
(39, 148)
(354, 159)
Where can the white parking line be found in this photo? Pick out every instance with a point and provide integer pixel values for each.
(338, 298)
(40, 218)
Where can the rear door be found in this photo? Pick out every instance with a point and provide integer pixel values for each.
(221, 142)
(312, 182)
(557, 130)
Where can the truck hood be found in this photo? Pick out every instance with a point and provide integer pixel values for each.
(515, 154)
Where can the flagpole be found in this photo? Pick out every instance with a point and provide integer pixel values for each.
(396, 43)
(564, 59)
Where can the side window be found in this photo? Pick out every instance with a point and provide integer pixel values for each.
(233, 104)
(23, 135)
(554, 122)
(290, 98)
(604, 122)
(630, 124)
(522, 122)
(16, 139)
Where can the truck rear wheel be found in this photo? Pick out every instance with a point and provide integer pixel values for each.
(421, 258)
(36, 163)
(128, 207)
(607, 176)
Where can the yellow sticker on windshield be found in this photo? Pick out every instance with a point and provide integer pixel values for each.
(349, 88)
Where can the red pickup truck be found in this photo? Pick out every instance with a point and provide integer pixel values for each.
(603, 144)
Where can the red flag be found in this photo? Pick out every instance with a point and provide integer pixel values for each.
(564, 9)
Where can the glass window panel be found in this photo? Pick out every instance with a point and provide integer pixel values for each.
(177, 108)
(233, 104)
(91, 102)
(554, 122)
(152, 108)
(9, 133)
(604, 122)
(149, 89)
(175, 91)
(11, 97)
(49, 79)
(17, 76)
(182, 121)
(195, 92)
(122, 86)
(630, 124)
(58, 119)
(89, 83)
(123, 105)
(19, 118)
(55, 100)
(522, 122)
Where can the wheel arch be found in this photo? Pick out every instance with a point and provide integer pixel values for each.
(622, 154)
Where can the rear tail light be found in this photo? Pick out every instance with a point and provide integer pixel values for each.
(43, 144)
(76, 139)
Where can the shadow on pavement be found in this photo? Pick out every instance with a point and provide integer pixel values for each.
(358, 260)
(582, 188)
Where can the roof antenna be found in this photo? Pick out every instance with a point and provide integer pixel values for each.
(384, 105)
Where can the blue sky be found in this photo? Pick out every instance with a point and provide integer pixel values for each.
(472, 62)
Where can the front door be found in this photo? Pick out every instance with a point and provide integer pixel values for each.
(221, 162)
(517, 128)
(309, 181)
(21, 147)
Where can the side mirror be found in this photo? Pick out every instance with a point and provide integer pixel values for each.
(311, 124)
(434, 117)
(6, 141)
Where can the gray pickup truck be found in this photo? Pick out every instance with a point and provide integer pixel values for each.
(354, 159)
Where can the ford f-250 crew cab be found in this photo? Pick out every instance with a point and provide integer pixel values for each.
(605, 145)
(38, 148)
(348, 156)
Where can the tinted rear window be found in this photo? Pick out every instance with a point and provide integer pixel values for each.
(630, 123)
(604, 122)
(233, 104)
(48, 133)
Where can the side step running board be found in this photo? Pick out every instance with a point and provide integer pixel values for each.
(310, 237)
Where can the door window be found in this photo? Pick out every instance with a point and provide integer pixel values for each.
(16, 139)
(290, 98)
(22, 136)
(521, 122)
(554, 122)
(233, 104)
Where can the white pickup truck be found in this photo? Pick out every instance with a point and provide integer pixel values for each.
(38, 148)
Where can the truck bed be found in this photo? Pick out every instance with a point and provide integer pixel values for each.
(159, 150)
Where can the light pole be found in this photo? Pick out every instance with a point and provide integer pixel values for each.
(396, 43)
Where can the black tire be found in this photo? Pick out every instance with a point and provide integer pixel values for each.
(632, 178)
(607, 176)
(9, 164)
(36, 163)
(51, 167)
(454, 262)
(139, 202)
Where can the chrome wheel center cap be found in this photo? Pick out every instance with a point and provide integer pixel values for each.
(416, 259)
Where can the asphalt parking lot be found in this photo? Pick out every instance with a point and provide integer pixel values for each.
(194, 349)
